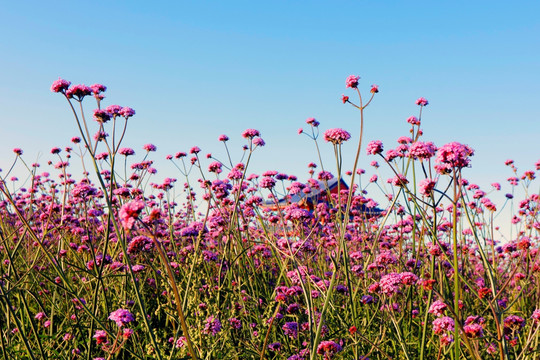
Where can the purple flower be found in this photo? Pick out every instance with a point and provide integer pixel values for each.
(291, 329)
(328, 349)
(212, 326)
(121, 317)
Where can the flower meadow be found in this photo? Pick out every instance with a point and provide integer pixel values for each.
(222, 263)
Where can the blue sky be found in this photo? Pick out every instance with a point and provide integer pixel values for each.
(195, 70)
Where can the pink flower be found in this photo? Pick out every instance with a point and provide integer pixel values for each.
(426, 186)
(215, 167)
(250, 133)
(336, 136)
(195, 150)
(126, 112)
(413, 120)
(374, 89)
(328, 349)
(121, 317)
(536, 316)
(101, 337)
(114, 110)
(442, 324)
(60, 86)
(422, 101)
(399, 180)
(101, 116)
(325, 175)
(267, 182)
(408, 278)
(453, 155)
(223, 138)
(126, 333)
(18, 151)
(126, 151)
(98, 88)
(258, 142)
(374, 147)
(149, 147)
(78, 92)
(437, 308)
(390, 284)
(311, 121)
(352, 81)
(130, 212)
(422, 150)
(344, 98)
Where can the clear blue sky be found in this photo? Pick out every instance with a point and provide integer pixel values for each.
(195, 70)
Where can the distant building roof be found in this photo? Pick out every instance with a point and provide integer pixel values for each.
(317, 194)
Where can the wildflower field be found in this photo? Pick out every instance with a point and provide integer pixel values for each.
(222, 263)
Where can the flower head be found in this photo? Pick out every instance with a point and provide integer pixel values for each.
(352, 81)
(336, 136)
(78, 92)
(101, 116)
(149, 147)
(453, 155)
(121, 317)
(328, 349)
(422, 101)
(311, 121)
(250, 133)
(374, 147)
(127, 112)
(60, 86)
(129, 213)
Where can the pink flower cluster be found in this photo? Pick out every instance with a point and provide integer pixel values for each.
(426, 186)
(374, 147)
(422, 150)
(121, 317)
(130, 212)
(328, 349)
(442, 324)
(336, 136)
(453, 155)
(352, 81)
